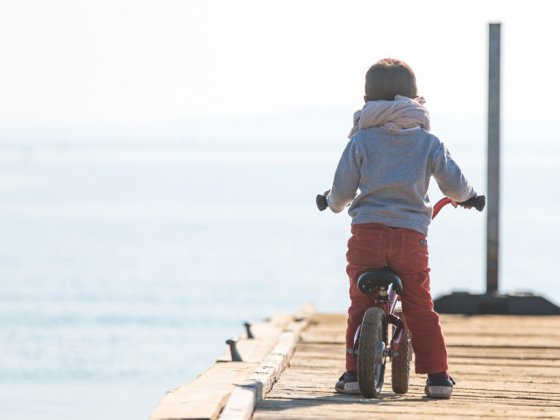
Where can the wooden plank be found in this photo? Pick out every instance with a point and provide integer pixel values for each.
(246, 395)
(204, 397)
(266, 333)
(514, 376)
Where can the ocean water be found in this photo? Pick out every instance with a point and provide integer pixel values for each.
(125, 265)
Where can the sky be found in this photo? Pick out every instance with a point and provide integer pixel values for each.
(151, 68)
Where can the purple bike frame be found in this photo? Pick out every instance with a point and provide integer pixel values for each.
(388, 305)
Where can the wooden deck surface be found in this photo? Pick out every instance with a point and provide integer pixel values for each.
(506, 367)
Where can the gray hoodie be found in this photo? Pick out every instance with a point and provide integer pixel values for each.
(391, 170)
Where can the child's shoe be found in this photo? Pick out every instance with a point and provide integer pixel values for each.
(348, 384)
(439, 387)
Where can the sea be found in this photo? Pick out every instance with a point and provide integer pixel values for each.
(125, 265)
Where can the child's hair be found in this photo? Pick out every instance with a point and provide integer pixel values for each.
(390, 77)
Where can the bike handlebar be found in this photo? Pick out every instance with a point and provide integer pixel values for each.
(321, 201)
(478, 203)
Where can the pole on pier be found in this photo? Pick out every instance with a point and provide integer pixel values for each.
(493, 302)
(493, 203)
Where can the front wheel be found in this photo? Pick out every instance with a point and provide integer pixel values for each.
(371, 358)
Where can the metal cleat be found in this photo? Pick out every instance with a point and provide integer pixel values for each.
(248, 327)
(235, 356)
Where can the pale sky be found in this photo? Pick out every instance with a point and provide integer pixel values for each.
(142, 62)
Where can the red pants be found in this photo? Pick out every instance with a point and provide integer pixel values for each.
(374, 246)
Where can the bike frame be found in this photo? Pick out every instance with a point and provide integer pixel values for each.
(387, 300)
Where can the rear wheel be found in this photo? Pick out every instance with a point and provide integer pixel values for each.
(400, 365)
(371, 360)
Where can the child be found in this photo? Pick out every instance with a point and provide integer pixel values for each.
(388, 163)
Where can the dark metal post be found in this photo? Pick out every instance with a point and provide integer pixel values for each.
(248, 327)
(235, 356)
(493, 206)
(492, 302)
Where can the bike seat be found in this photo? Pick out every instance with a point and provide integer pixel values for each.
(368, 282)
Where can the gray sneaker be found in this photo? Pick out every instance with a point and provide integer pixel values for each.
(347, 384)
(439, 388)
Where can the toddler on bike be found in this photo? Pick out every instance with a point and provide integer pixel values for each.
(384, 172)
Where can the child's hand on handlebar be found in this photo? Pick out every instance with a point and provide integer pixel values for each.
(455, 204)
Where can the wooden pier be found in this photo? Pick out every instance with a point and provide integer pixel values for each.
(506, 367)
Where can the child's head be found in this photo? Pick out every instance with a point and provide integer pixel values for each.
(390, 77)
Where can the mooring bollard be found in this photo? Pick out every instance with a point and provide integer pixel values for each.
(248, 327)
(235, 356)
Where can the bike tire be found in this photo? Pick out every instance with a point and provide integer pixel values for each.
(400, 364)
(371, 374)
